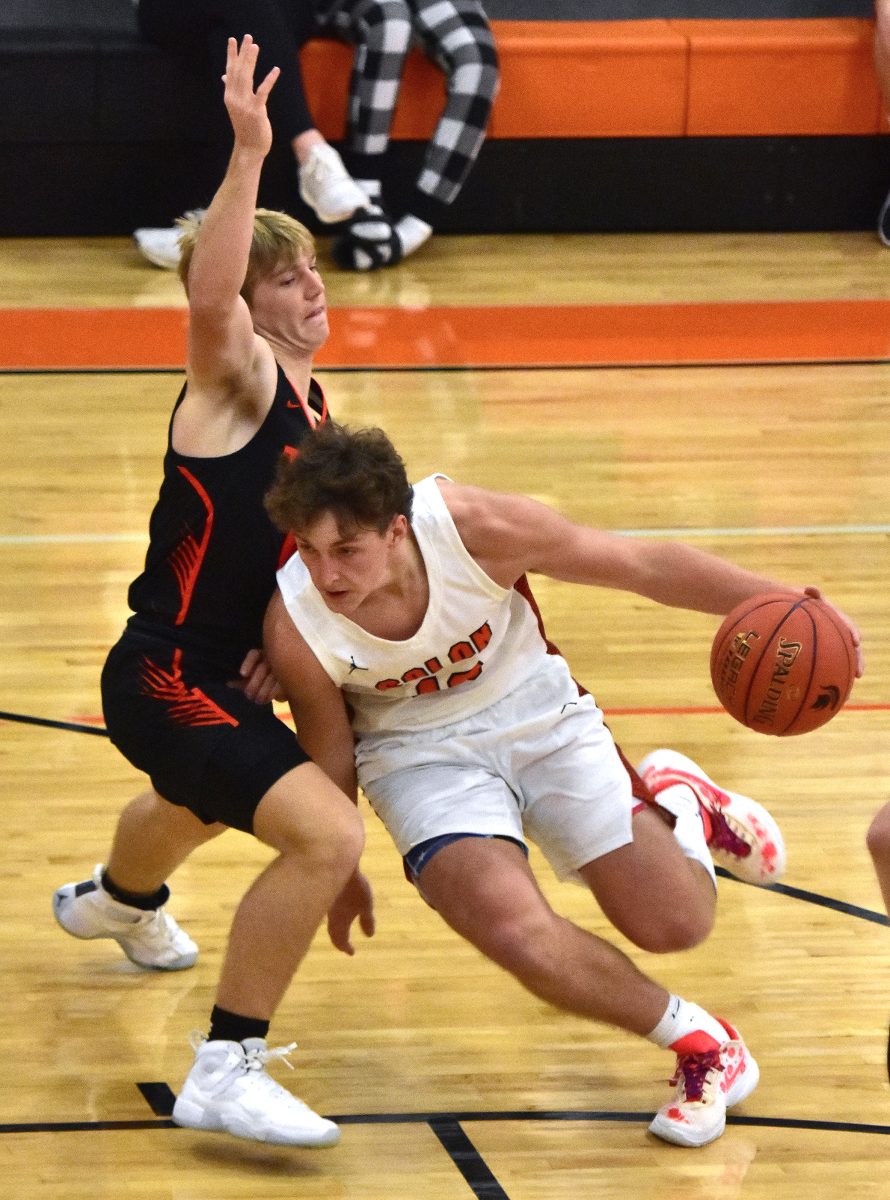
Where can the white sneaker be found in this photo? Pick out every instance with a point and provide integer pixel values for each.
(707, 1085)
(161, 246)
(228, 1091)
(327, 186)
(150, 939)
(741, 834)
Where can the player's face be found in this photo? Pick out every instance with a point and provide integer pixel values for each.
(346, 569)
(289, 306)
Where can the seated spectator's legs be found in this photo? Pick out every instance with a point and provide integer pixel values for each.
(454, 34)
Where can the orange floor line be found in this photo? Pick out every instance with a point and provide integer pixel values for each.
(481, 336)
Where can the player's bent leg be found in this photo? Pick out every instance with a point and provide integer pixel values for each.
(485, 890)
(319, 836)
(651, 892)
(153, 837)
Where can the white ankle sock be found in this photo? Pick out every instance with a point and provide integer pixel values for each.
(689, 830)
(412, 233)
(683, 1020)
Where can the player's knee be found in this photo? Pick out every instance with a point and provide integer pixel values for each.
(333, 852)
(341, 846)
(517, 941)
(330, 840)
(673, 931)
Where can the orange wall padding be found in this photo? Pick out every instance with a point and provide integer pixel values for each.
(655, 78)
(781, 77)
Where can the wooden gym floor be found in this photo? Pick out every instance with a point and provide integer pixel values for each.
(731, 391)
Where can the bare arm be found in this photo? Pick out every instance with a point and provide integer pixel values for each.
(315, 700)
(325, 733)
(229, 366)
(509, 535)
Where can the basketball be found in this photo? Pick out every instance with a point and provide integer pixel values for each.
(783, 664)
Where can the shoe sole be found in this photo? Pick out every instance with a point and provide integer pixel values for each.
(180, 964)
(188, 1115)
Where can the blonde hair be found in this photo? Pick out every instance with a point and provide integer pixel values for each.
(278, 240)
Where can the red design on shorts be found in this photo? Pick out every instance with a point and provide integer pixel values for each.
(185, 705)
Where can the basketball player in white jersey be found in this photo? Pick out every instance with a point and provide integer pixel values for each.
(399, 637)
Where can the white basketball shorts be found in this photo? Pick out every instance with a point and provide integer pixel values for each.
(538, 764)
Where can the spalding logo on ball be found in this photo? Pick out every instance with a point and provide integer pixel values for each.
(783, 664)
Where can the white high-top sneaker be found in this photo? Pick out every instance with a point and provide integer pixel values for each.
(229, 1091)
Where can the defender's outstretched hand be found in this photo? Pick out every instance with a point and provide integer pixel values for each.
(247, 107)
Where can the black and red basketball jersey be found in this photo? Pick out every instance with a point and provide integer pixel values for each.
(213, 552)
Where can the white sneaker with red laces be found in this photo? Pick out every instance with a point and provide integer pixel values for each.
(707, 1085)
(741, 834)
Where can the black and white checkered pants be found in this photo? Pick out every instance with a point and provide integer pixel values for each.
(456, 36)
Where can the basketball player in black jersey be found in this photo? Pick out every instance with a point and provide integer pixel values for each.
(186, 691)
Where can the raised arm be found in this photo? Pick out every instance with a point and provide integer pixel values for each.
(223, 349)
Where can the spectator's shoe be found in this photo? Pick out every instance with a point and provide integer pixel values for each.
(150, 939)
(707, 1085)
(741, 834)
(160, 247)
(229, 1091)
(369, 242)
(884, 221)
(327, 187)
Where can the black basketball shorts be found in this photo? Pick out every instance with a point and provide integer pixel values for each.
(201, 742)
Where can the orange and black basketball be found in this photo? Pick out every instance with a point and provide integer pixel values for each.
(783, 664)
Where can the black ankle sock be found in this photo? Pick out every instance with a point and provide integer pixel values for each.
(134, 899)
(230, 1027)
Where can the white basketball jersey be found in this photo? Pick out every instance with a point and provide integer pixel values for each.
(477, 642)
